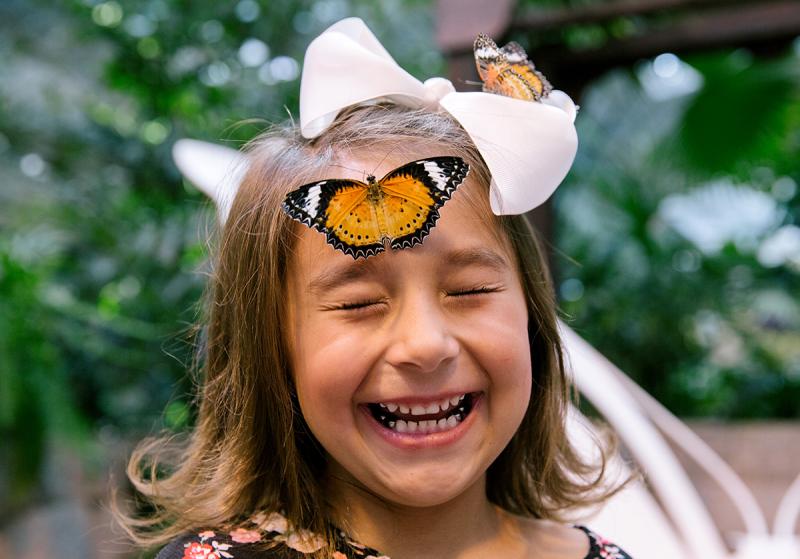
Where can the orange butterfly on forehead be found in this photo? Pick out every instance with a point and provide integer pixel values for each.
(400, 209)
(508, 71)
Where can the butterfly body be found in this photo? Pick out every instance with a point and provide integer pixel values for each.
(374, 192)
(363, 218)
(508, 71)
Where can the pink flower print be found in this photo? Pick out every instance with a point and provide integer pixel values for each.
(222, 549)
(304, 541)
(240, 535)
(272, 522)
(207, 534)
(197, 550)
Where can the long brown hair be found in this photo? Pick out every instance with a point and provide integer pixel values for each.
(251, 449)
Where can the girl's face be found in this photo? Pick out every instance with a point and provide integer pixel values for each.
(412, 367)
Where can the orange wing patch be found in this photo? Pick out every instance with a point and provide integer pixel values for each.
(400, 209)
(353, 218)
(407, 204)
(508, 71)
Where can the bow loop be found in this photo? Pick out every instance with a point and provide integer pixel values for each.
(435, 90)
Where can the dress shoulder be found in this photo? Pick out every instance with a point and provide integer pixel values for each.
(240, 543)
(601, 548)
(194, 546)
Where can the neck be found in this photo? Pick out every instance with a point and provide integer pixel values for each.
(458, 528)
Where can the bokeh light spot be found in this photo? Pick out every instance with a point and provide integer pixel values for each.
(284, 68)
(124, 122)
(303, 23)
(666, 65)
(265, 75)
(32, 165)
(154, 132)
(185, 60)
(253, 52)
(327, 11)
(686, 261)
(107, 14)
(148, 47)
(129, 287)
(571, 289)
(212, 31)
(784, 189)
(215, 74)
(247, 10)
(138, 25)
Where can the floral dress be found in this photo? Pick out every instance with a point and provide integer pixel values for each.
(287, 543)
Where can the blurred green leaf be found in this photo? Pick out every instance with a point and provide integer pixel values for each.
(739, 118)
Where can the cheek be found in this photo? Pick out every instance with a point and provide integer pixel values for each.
(329, 365)
(515, 367)
(502, 335)
(506, 356)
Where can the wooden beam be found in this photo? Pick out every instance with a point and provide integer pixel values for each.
(538, 19)
(712, 24)
(776, 22)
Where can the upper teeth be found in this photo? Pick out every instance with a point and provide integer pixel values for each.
(423, 409)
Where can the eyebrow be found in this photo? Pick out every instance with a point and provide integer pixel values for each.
(334, 277)
(480, 256)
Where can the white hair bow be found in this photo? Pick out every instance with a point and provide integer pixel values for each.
(528, 146)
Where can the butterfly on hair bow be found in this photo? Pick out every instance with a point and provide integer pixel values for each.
(508, 71)
(527, 146)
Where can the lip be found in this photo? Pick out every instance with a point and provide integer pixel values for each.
(408, 441)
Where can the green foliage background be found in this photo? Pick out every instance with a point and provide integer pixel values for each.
(709, 331)
(102, 244)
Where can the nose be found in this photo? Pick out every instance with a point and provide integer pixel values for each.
(421, 338)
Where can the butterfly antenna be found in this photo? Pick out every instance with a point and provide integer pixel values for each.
(346, 167)
(388, 153)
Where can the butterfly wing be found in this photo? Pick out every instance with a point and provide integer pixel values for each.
(514, 53)
(413, 194)
(489, 60)
(342, 210)
(508, 71)
(518, 60)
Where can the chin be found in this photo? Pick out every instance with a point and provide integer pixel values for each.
(424, 489)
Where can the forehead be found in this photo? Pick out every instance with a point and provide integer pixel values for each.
(466, 226)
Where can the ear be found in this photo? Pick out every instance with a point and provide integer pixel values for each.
(216, 170)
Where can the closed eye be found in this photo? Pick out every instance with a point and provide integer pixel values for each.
(474, 291)
(358, 305)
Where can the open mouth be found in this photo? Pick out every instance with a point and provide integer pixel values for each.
(424, 418)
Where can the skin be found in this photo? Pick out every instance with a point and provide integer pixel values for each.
(445, 317)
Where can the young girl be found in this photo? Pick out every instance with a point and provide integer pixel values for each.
(405, 400)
